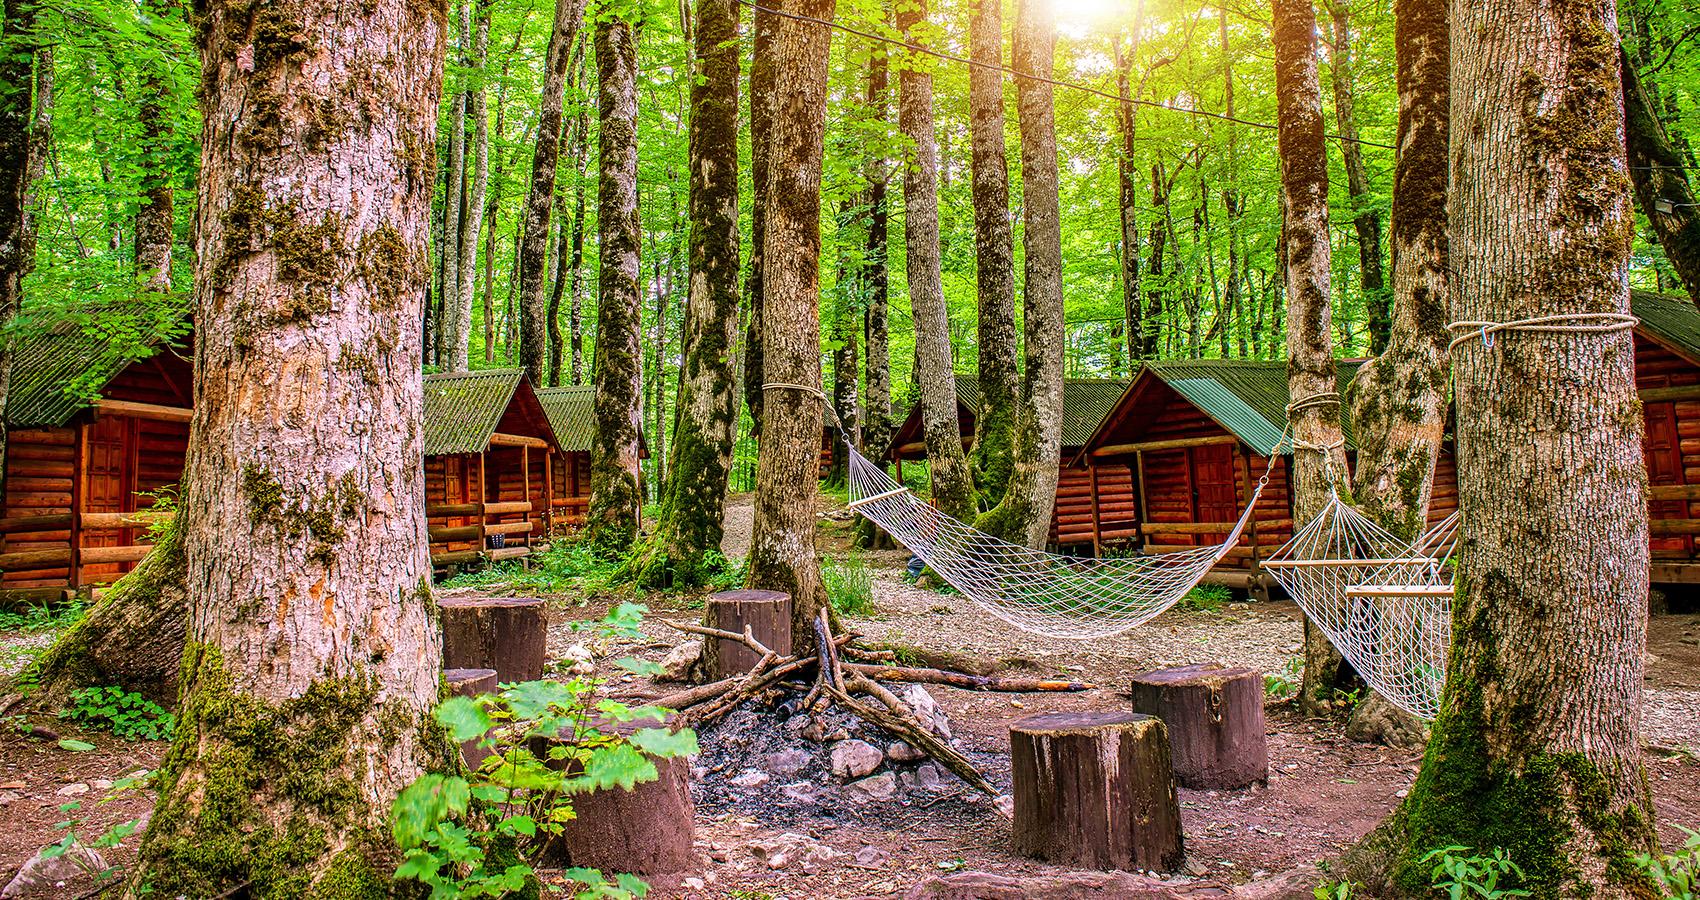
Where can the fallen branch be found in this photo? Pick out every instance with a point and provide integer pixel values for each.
(966, 681)
(748, 638)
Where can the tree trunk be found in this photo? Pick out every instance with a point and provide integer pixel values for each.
(994, 255)
(1399, 398)
(876, 417)
(1659, 173)
(1537, 745)
(1367, 222)
(581, 158)
(953, 488)
(693, 505)
(762, 100)
(472, 206)
(616, 493)
(1156, 297)
(1024, 515)
(20, 47)
(534, 227)
(155, 222)
(313, 662)
(1231, 201)
(782, 551)
(1127, 184)
(1319, 457)
(846, 349)
(451, 341)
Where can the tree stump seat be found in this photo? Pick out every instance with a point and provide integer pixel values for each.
(1095, 790)
(766, 613)
(507, 634)
(648, 830)
(1214, 716)
(471, 683)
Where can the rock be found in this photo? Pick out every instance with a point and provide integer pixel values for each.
(1376, 721)
(779, 851)
(902, 752)
(1069, 886)
(871, 857)
(1293, 884)
(787, 763)
(1005, 805)
(72, 790)
(877, 787)
(928, 777)
(41, 877)
(802, 791)
(925, 708)
(751, 778)
(853, 759)
(577, 660)
(677, 664)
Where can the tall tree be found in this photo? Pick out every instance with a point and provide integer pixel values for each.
(314, 658)
(1127, 192)
(575, 264)
(534, 227)
(448, 335)
(1024, 515)
(18, 45)
(953, 488)
(1366, 220)
(155, 219)
(1232, 202)
(876, 415)
(1319, 457)
(782, 548)
(1537, 744)
(762, 98)
(994, 254)
(475, 185)
(1660, 175)
(616, 494)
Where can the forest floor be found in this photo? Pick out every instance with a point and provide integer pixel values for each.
(1324, 791)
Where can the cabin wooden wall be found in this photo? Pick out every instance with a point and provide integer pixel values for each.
(1117, 509)
(572, 488)
(1672, 446)
(41, 466)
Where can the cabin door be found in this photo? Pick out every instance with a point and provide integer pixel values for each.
(109, 487)
(1663, 450)
(1216, 495)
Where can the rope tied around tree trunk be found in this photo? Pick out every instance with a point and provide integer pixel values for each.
(819, 394)
(1558, 323)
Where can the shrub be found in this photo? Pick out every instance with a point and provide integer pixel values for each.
(125, 714)
(1285, 683)
(1205, 598)
(1678, 874)
(1460, 873)
(458, 833)
(849, 584)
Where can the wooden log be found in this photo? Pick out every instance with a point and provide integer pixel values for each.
(471, 683)
(33, 560)
(966, 681)
(141, 518)
(445, 510)
(152, 411)
(507, 634)
(1214, 715)
(510, 528)
(648, 830)
(450, 534)
(456, 558)
(1172, 444)
(94, 556)
(501, 553)
(22, 524)
(766, 613)
(1094, 790)
(511, 506)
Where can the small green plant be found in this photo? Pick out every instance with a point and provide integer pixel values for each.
(1285, 683)
(127, 715)
(112, 837)
(849, 584)
(1677, 874)
(1334, 890)
(729, 572)
(565, 567)
(1206, 598)
(1459, 872)
(38, 617)
(461, 834)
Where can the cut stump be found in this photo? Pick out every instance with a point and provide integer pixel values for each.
(1094, 790)
(1214, 715)
(471, 683)
(648, 830)
(768, 616)
(507, 634)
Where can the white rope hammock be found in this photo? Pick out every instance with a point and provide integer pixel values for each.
(1058, 596)
(1385, 604)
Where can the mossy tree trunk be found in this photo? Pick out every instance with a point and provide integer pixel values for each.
(155, 218)
(952, 485)
(475, 185)
(1366, 221)
(532, 258)
(1127, 191)
(693, 506)
(1319, 458)
(313, 658)
(1659, 173)
(762, 98)
(876, 398)
(18, 51)
(994, 255)
(1024, 514)
(1537, 747)
(616, 495)
(782, 547)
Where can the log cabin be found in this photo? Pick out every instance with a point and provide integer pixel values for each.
(490, 461)
(1095, 502)
(1667, 377)
(572, 413)
(97, 426)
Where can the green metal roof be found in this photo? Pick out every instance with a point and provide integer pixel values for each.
(58, 367)
(1673, 321)
(1247, 397)
(462, 409)
(1086, 401)
(572, 413)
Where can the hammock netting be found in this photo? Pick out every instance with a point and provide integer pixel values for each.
(1386, 604)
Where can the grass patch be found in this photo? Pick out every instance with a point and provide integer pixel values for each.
(849, 584)
(1206, 598)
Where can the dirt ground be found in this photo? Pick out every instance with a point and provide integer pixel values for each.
(1323, 792)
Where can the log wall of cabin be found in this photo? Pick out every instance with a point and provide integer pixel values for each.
(572, 487)
(1671, 443)
(1096, 505)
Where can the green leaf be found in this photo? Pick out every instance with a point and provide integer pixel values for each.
(522, 825)
(75, 746)
(587, 877)
(637, 886)
(620, 765)
(464, 717)
(665, 743)
(638, 666)
(532, 699)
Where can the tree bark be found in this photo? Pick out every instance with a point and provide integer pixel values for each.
(994, 255)
(1232, 203)
(782, 550)
(953, 487)
(762, 99)
(1399, 398)
(1659, 173)
(876, 417)
(581, 159)
(1127, 185)
(846, 350)
(1024, 515)
(1319, 457)
(449, 336)
(1537, 745)
(616, 493)
(472, 204)
(534, 227)
(312, 662)
(1156, 296)
(155, 221)
(20, 46)
(1366, 221)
